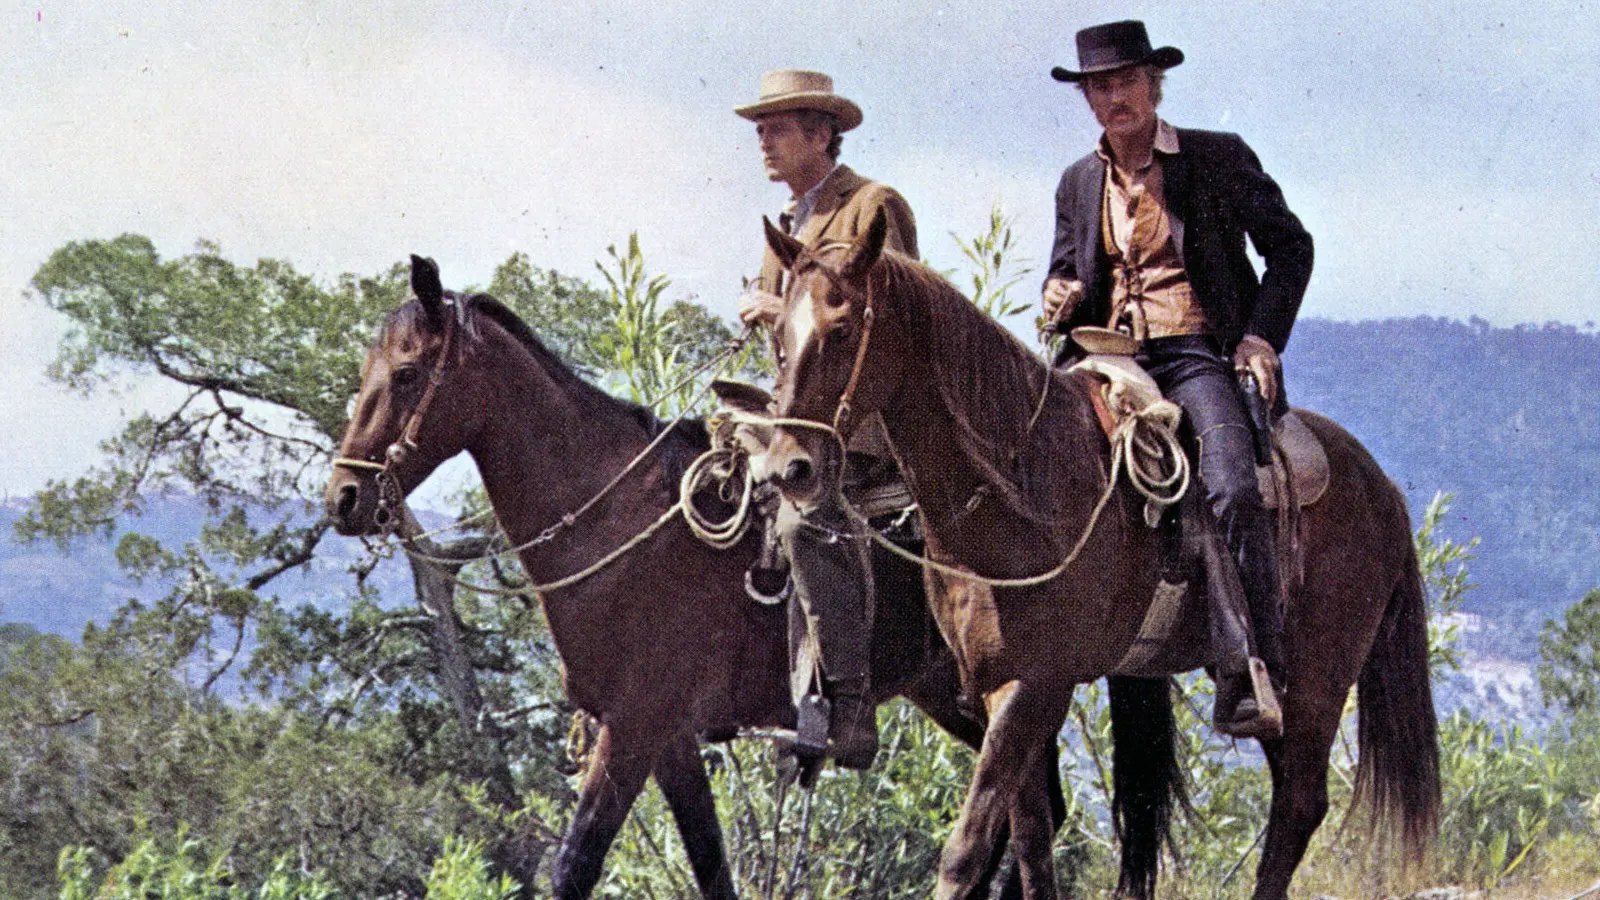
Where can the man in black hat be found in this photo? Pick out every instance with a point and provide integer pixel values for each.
(1150, 240)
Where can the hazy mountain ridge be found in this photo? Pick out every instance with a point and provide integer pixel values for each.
(60, 591)
(1508, 420)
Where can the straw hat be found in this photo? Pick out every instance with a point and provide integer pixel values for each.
(783, 90)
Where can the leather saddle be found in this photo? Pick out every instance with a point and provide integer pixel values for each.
(1299, 469)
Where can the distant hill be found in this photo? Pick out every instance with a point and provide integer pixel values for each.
(60, 592)
(1508, 420)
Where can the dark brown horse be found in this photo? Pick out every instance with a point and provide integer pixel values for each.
(663, 644)
(1007, 487)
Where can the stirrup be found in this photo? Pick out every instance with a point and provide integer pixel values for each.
(1267, 723)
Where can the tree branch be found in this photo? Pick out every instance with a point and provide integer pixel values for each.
(65, 721)
(236, 414)
(238, 641)
(302, 555)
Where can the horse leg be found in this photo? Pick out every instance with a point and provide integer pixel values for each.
(617, 770)
(1299, 764)
(1033, 830)
(941, 707)
(682, 777)
(1023, 722)
(935, 694)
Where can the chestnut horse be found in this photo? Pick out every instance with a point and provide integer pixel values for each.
(661, 645)
(1008, 475)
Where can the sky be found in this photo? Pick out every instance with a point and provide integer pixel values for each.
(1443, 155)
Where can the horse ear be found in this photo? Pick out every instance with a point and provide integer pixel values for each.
(426, 285)
(868, 247)
(787, 248)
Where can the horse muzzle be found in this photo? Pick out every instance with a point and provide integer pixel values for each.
(351, 501)
(794, 468)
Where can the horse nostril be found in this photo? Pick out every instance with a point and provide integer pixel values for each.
(798, 472)
(349, 495)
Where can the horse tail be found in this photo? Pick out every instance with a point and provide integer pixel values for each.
(1147, 783)
(1398, 774)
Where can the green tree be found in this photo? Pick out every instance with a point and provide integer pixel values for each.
(1569, 653)
(434, 688)
(265, 360)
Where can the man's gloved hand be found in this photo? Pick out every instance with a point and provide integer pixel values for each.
(1256, 356)
(758, 307)
(1061, 295)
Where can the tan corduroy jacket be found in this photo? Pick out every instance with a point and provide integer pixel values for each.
(845, 207)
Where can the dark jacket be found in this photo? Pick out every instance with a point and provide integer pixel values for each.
(1216, 195)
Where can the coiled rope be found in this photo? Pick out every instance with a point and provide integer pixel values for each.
(1144, 444)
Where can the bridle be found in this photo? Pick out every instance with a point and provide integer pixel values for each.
(810, 259)
(390, 497)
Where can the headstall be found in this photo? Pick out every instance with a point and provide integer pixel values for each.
(842, 413)
(390, 497)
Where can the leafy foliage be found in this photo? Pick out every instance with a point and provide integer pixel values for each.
(182, 870)
(995, 267)
(106, 749)
(1444, 574)
(1503, 795)
(876, 833)
(1570, 650)
(650, 355)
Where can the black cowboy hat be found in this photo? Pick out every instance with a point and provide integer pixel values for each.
(1116, 45)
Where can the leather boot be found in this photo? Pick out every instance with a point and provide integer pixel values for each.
(852, 724)
(1246, 703)
(1259, 710)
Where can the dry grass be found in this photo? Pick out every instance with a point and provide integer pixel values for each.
(1565, 869)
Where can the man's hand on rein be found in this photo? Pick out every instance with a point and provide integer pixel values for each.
(758, 307)
(1060, 297)
(1256, 356)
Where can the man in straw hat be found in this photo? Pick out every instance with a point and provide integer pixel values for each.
(1150, 240)
(799, 121)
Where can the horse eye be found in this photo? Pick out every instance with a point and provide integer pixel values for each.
(406, 376)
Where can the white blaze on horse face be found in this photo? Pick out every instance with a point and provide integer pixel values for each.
(802, 322)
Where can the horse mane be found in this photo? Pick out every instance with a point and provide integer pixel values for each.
(468, 308)
(990, 382)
